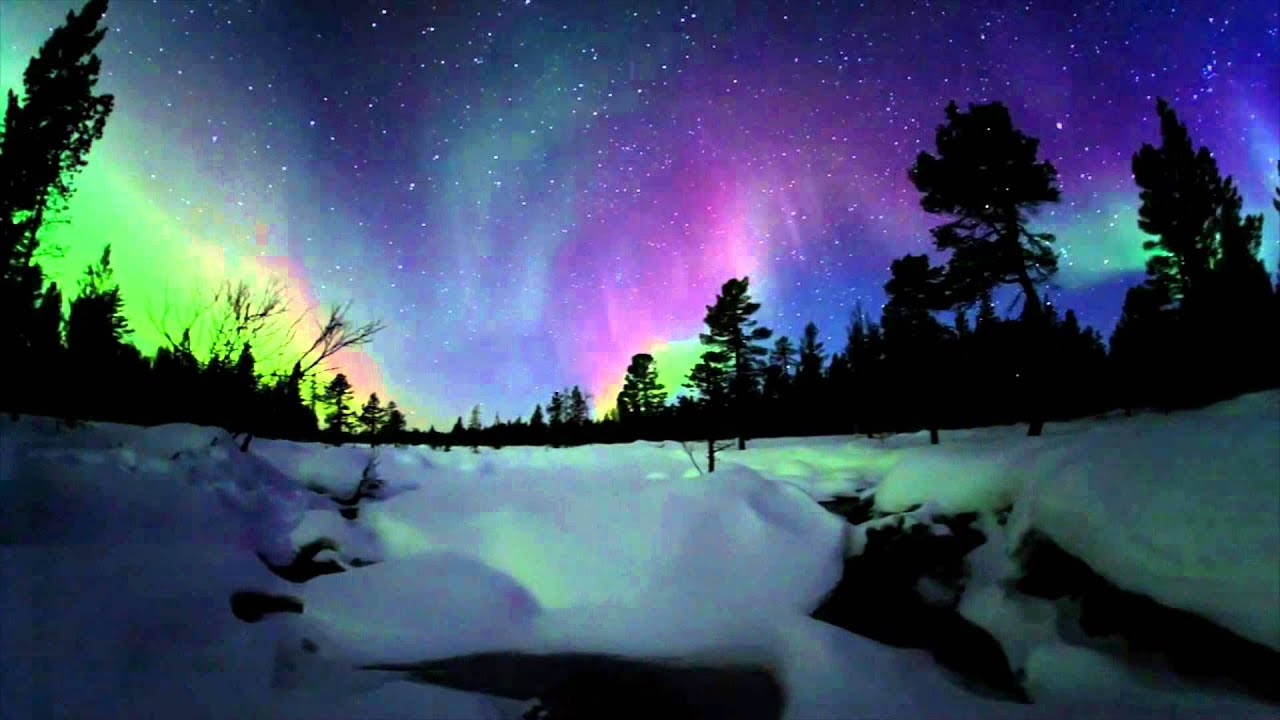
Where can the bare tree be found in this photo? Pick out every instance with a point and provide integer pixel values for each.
(242, 316)
(237, 314)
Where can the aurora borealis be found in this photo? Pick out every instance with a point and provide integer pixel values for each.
(530, 192)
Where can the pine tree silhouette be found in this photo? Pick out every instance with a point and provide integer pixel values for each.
(337, 396)
(372, 417)
(642, 397)
(1178, 200)
(914, 339)
(733, 332)
(394, 427)
(987, 177)
(811, 359)
(44, 142)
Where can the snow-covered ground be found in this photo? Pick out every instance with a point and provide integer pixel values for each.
(120, 548)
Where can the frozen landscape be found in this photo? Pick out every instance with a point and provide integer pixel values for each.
(122, 547)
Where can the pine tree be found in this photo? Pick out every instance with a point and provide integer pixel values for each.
(914, 338)
(1241, 297)
(710, 379)
(733, 331)
(579, 412)
(337, 396)
(987, 177)
(44, 142)
(373, 416)
(475, 426)
(779, 372)
(536, 421)
(812, 358)
(642, 396)
(1179, 196)
(556, 410)
(1141, 345)
(97, 347)
(395, 424)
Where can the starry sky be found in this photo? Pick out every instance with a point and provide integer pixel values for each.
(529, 192)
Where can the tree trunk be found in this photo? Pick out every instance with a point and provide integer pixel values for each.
(742, 442)
(933, 436)
(1034, 316)
(711, 456)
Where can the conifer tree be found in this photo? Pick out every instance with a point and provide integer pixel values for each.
(986, 176)
(1179, 198)
(537, 423)
(373, 416)
(44, 142)
(338, 398)
(395, 424)
(812, 358)
(913, 337)
(96, 326)
(579, 412)
(642, 396)
(780, 371)
(733, 332)
(556, 410)
(1142, 338)
(474, 427)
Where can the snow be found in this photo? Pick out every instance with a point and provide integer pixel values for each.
(1195, 525)
(120, 547)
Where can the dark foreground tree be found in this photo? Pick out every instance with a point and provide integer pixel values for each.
(372, 416)
(734, 337)
(915, 340)
(1178, 200)
(987, 178)
(338, 398)
(44, 142)
(642, 397)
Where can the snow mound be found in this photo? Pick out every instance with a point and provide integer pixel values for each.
(1182, 510)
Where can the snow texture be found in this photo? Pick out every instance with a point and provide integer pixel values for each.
(120, 547)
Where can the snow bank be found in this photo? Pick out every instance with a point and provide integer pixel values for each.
(1182, 508)
(119, 548)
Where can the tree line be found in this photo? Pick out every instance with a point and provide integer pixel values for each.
(1197, 329)
(939, 355)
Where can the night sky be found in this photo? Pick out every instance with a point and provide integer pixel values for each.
(530, 192)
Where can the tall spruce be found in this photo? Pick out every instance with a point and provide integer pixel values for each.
(914, 339)
(780, 371)
(579, 410)
(395, 425)
(337, 397)
(735, 335)
(373, 416)
(811, 359)
(1180, 196)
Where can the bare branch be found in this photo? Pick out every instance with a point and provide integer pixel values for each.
(246, 317)
(336, 335)
(689, 452)
(187, 324)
